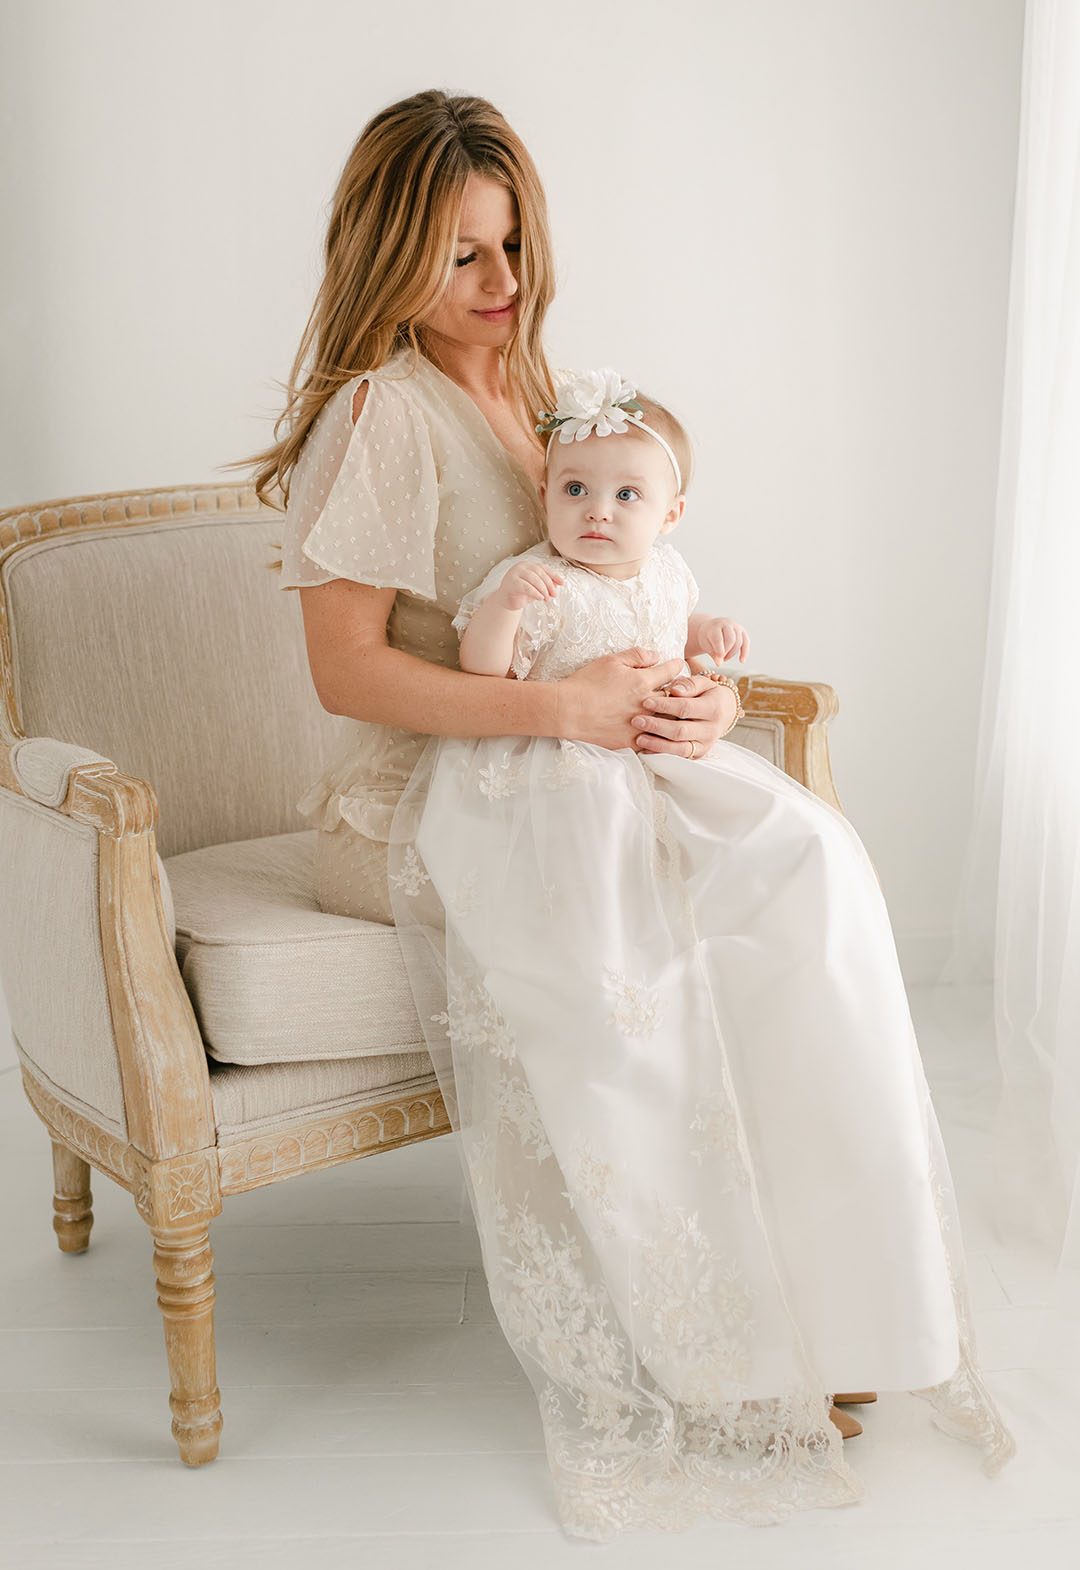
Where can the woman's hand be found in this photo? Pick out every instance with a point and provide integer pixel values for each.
(697, 710)
(598, 702)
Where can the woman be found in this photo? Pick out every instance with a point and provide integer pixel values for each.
(410, 467)
(380, 652)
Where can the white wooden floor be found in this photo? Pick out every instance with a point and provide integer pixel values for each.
(374, 1413)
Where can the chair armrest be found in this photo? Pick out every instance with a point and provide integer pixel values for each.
(799, 713)
(42, 767)
(163, 1070)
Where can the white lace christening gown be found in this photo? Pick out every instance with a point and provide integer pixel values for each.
(663, 1002)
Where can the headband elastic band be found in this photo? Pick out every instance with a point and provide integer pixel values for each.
(638, 425)
(598, 403)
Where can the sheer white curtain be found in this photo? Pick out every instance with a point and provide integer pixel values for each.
(1018, 915)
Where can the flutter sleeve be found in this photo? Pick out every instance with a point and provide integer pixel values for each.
(537, 629)
(364, 498)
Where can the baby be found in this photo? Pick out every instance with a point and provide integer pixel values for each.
(607, 502)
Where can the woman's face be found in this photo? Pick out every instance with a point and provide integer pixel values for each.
(486, 271)
(607, 498)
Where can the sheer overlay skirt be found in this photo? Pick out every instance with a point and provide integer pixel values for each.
(663, 1002)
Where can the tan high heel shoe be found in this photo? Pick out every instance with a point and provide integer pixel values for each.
(849, 1426)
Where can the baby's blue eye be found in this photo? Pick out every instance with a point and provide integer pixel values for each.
(575, 487)
(626, 488)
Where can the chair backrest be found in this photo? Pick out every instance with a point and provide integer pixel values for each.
(146, 626)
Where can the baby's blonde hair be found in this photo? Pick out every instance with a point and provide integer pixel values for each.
(674, 433)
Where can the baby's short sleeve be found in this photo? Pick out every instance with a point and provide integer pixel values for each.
(364, 498)
(537, 629)
(693, 593)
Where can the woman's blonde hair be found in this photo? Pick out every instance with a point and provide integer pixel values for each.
(390, 257)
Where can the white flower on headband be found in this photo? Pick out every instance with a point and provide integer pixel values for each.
(599, 401)
(591, 401)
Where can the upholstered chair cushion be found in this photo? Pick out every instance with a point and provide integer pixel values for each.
(256, 1098)
(272, 978)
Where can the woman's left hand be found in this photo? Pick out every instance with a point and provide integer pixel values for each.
(692, 708)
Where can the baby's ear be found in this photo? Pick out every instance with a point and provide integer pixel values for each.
(675, 512)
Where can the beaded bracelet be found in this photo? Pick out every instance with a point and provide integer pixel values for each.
(726, 681)
(722, 681)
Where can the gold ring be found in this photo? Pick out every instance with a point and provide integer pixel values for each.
(693, 750)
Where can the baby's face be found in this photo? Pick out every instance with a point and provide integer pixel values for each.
(607, 498)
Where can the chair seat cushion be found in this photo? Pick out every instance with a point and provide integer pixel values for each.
(274, 979)
(272, 1098)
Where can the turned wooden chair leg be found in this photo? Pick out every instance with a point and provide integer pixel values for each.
(73, 1213)
(183, 1261)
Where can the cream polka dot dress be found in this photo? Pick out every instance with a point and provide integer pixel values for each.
(419, 495)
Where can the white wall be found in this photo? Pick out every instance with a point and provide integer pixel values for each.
(788, 218)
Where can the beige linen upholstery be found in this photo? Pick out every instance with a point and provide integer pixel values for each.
(155, 697)
(43, 768)
(220, 715)
(274, 979)
(278, 1100)
(54, 971)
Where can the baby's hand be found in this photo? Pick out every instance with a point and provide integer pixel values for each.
(723, 638)
(525, 581)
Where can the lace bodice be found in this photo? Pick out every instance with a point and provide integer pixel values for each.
(593, 614)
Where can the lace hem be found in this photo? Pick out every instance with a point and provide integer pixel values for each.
(964, 1409)
(671, 1492)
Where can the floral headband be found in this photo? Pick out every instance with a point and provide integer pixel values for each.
(600, 402)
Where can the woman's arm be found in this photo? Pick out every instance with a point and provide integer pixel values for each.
(357, 673)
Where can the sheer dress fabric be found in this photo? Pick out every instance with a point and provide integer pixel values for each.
(419, 495)
(664, 1006)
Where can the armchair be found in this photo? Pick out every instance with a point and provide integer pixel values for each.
(187, 1021)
